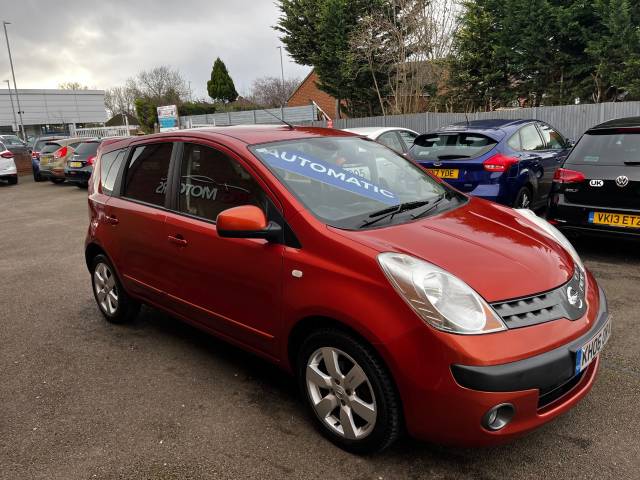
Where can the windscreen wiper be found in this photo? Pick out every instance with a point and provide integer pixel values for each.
(391, 211)
(431, 207)
(451, 157)
(632, 163)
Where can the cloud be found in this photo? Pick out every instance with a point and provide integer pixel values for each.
(102, 43)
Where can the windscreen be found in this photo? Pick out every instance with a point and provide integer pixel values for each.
(87, 149)
(609, 147)
(11, 140)
(451, 146)
(50, 148)
(343, 180)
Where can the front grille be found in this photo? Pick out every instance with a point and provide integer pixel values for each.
(552, 394)
(545, 307)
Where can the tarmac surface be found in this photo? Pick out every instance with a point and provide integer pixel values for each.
(157, 399)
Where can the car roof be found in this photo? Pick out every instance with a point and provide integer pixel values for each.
(627, 122)
(247, 134)
(376, 131)
(488, 123)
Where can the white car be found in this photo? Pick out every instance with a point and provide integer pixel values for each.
(396, 138)
(8, 170)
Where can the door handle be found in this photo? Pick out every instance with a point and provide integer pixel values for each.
(177, 240)
(111, 220)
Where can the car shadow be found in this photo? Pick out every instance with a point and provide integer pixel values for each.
(607, 248)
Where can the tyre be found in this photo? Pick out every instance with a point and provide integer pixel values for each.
(13, 180)
(57, 180)
(523, 198)
(348, 391)
(36, 176)
(112, 300)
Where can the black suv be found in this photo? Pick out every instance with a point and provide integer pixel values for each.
(598, 188)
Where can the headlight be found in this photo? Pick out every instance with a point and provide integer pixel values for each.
(441, 299)
(554, 233)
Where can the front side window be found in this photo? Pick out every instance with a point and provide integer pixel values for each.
(552, 138)
(391, 140)
(348, 182)
(407, 138)
(211, 182)
(147, 173)
(530, 138)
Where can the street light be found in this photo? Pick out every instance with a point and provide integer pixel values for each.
(15, 120)
(13, 74)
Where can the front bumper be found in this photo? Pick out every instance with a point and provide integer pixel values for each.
(540, 388)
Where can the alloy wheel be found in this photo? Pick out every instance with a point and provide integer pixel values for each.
(104, 283)
(340, 393)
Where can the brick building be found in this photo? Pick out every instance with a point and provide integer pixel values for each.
(308, 92)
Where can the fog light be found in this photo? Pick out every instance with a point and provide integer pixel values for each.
(498, 417)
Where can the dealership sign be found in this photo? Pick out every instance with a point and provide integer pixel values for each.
(168, 118)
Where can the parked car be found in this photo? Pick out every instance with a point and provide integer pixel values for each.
(598, 188)
(399, 139)
(8, 170)
(36, 146)
(511, 162)
(80, 165)
(20, 150)
(396, 300)
(54, 156)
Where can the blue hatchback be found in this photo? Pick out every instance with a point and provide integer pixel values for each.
(507, 161)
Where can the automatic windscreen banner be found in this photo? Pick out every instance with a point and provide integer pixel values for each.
(329, 174)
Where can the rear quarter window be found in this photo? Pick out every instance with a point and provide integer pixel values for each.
(450, 146)
(110, 164)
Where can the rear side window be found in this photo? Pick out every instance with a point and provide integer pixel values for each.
(450, 146)
(530, 138)
(606, 148)
(407, 137)
(211, 182)
(110, 164)
(50, 147)
(391, 140)
(147, 171)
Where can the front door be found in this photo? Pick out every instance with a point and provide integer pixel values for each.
(232, 286)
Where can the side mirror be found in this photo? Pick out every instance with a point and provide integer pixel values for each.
(570, 142)
(247, 221)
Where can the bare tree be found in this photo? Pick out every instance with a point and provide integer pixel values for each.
(161, 84)
(119, 100)
(268, 91)
(406, 42)
(72, 86)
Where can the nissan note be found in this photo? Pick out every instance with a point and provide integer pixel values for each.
(398, 302)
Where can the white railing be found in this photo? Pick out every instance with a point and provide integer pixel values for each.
(102, 132)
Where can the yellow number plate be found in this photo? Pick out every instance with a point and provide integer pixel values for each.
(615, 219)
(445, 172)
(75, 164)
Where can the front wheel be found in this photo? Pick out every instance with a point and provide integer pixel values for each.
(349, 392)
(523, 198)
(114, 303)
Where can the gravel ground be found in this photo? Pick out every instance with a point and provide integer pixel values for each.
(81, 398)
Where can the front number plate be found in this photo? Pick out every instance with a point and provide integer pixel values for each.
(445, 172)
(590, 350)
(615, 219)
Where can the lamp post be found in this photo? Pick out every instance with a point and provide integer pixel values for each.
(15, 120)
(282, 76)
(13, 74)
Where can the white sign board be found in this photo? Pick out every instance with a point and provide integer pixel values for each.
(168, 118)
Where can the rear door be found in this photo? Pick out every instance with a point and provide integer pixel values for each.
(137, 216)
(535, 159)
(555, 151)
(456, 157)
(610, 162)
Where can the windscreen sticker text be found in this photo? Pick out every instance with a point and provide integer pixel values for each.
(316, 169)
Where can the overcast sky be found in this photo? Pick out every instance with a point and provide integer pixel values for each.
(102, 43)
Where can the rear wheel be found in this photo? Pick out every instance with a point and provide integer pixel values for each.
(348, 391)
(114, 303)
(523, 198)
(36, 176)
(13, 180)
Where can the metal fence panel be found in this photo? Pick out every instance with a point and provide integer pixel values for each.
(297, 115)
(570, 120)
